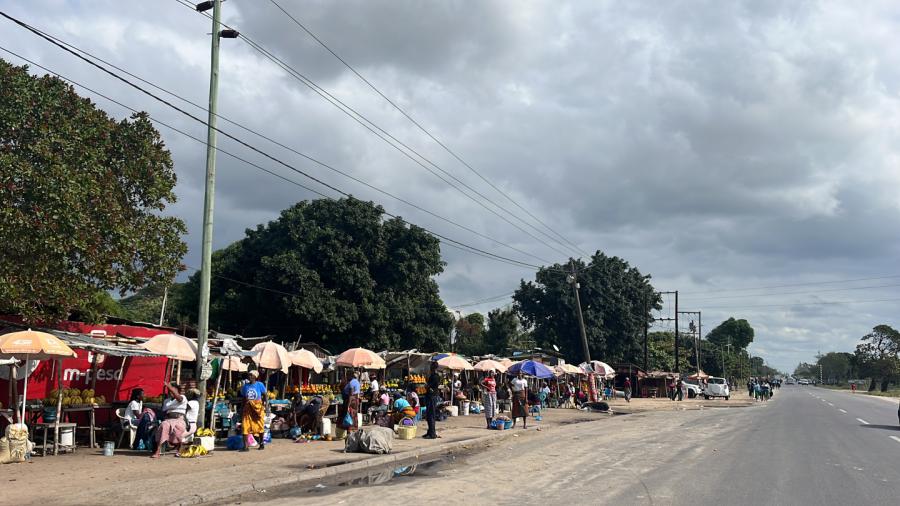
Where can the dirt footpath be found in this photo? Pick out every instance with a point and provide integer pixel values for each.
(81, 477)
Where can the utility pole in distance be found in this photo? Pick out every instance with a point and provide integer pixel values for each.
(646, 326)
(209, 195)
(677, 368)
(695, 334)
(573, 279)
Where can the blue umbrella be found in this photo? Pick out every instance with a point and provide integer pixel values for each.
(440, 356)
(531, 368)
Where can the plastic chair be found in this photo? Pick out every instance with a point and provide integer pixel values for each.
(125, 423)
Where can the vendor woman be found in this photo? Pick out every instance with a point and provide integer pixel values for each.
(519, 399)
(402, 408)
(350, 405)
(173, 427)
(254, 419)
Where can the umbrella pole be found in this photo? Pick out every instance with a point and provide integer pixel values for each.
(178, 374)
(94, 371)
(58, 409)
(212, 414)
(24, 390)
(119, 379)
(14, 389)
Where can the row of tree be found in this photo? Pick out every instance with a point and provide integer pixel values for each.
(876, 358)
(83, 208)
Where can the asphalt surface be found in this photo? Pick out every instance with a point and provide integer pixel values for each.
(807, 446)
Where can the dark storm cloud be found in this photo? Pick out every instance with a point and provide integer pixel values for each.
(715, 145)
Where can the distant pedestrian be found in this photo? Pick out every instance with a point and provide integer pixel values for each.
(679, 390)
(520, 399)
(490, 398)
(853, 388)
(431, 402)
(627, 388)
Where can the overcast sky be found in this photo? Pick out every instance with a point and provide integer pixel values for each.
(719, 146)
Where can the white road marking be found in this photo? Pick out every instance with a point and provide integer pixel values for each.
(842, 411)
(860, 420)
(895, 438)
(830, 404)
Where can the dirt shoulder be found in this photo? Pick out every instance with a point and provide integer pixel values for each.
(81, 477)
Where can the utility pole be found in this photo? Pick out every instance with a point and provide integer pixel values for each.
(646, 326)
(162, 310)
(695, 334)
(209, 195)
(677, 369)
(573, 279)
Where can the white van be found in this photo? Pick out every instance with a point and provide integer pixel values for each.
(716, 387)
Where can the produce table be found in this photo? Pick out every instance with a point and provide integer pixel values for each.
(92, 420)
(50, 426)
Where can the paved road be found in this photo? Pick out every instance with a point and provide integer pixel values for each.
(806, 446)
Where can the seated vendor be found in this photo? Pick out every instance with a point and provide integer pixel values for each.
(192, 412)
(308, 417)
(402, 408)
(413, 398)
(172, 428)
(381, 407)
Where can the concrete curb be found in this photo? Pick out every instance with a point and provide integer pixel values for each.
(359, 465)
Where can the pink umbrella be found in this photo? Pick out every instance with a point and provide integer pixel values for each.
(454, 363)
(172, 346)
(360, 357)
(306, 359)
(272, 355)
(490, 365)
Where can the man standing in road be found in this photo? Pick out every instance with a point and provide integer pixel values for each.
(627, 388)
(431, 404)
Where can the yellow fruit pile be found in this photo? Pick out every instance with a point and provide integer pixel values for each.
(73, 397)
(318, 389)
(193, 451)
(415, 378)
(204, 432)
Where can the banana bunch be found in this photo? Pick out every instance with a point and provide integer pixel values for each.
(193, 451)
(204, 432)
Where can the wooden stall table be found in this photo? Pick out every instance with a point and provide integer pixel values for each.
(50, 427)
(67, 412)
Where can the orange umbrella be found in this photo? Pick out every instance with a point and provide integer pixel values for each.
(32, 344)
(506, 362)
(490, 365)
(172, 346)
(306, 359)
(360, 357)
(272, 355)
(233, 364)
(455, 363)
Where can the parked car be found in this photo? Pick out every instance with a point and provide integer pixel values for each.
(717, 387)
(803, 382)
(692, 387)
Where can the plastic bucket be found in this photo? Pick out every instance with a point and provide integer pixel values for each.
(208, 442)
(326, 426)
(464, 408)
(49, 415)
(109, 448)
(67, 436)
(454, 410)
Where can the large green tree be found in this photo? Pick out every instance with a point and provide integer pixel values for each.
(661, 353)
(616, 300)
(504, 331)
(877, 355)
(737, 333)
(470, 335)
(333, 271)
(82, 199)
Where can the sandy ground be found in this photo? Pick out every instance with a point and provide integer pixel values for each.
(82, 477)
(570, 464)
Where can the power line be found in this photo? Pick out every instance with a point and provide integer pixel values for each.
(255, 149)
(796, 293)
(816, 303)
(292, 150)
(892, 276)
(388, 138)
(423, 129)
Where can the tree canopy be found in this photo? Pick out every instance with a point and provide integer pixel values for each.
(738, 333)
(877, 355)
(333, 271)
(83, 196)
(616, 300)
(470, 335)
